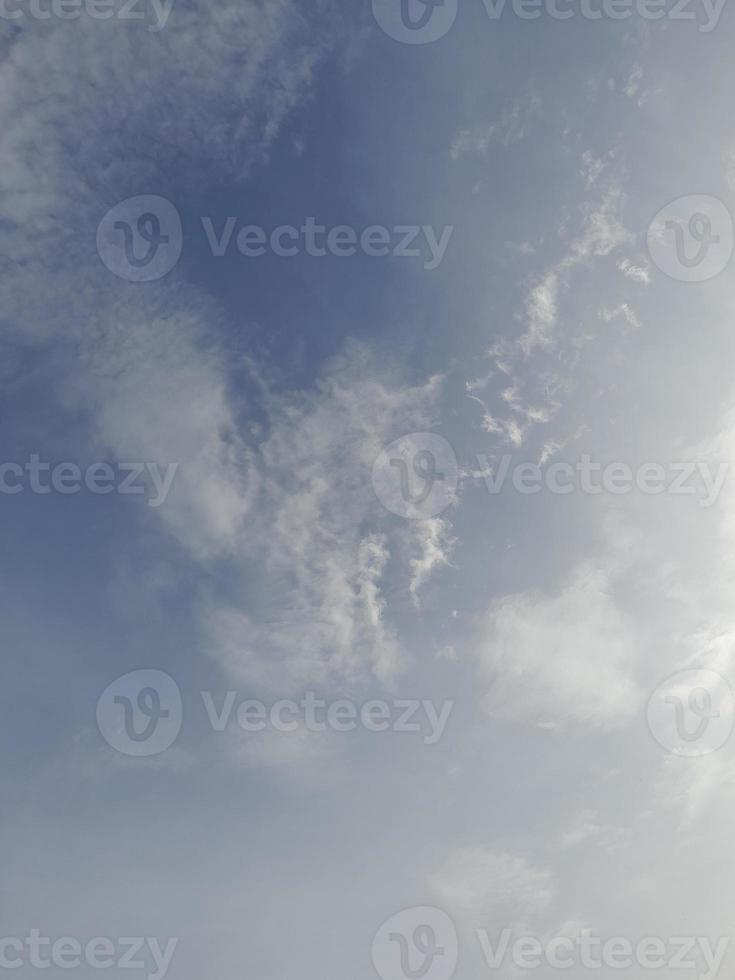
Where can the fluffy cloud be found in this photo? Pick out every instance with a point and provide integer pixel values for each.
(560, 659)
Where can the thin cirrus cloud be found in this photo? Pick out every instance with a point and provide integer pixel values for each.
(274, 569)
(325, 542)
(152, 377)
(484, 882)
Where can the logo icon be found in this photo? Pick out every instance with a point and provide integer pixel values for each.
(140, 239)
(140, 714)
(692, 713)
(416, 476)
(691, 239)
(415, 21)
(416, 944)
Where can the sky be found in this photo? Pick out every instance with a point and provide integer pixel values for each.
(368, 409)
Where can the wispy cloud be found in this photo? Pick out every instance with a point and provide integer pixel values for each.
(566, 658)
(484, 882)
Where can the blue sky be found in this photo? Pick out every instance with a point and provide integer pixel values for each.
(548, 332)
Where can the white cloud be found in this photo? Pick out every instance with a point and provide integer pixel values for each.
(151, 378)
(601, 233)
(150, 115)
(156, 396)
(624, 310)
(592, 168)
(534, 361)
(687, 787)
(315, 535)
(549, 450)
(431, 542)
(541, 313)
(633, 86)
(483, 882)
(638, 273)
(716, 450)
(603, 229)
(472, 141)
(476, 140)
(729, 160)
(564, 658)
(586, 827)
